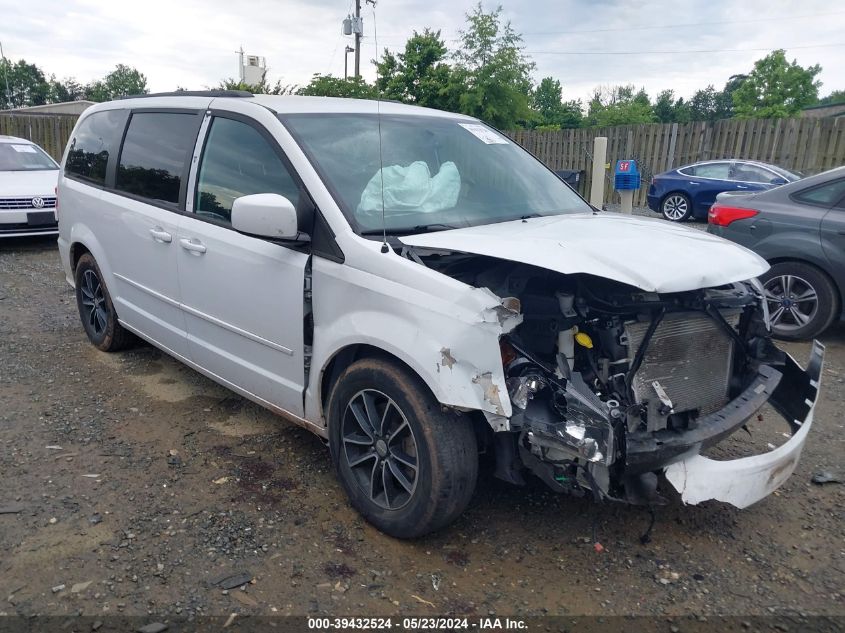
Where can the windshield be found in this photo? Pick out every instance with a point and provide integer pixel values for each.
(24, 157)
(438, 173)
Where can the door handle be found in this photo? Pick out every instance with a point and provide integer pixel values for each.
(741, 187)
(694, 183)
(194, 246)
(160, 235)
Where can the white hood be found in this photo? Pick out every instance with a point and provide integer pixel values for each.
(650, 254)
(17, 184)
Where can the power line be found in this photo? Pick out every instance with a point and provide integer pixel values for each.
(672, 26)
(706, 50)
(667, 26)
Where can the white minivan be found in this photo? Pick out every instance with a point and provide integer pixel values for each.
(417, 289)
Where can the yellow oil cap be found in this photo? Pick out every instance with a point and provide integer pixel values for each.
(583, 339)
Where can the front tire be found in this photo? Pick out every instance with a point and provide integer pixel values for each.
(676, 207)
(408, 466)
(802, 300)
(96, 309)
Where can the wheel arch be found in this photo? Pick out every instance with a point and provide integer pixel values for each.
(82, 240)
(77, 250)
(686, 194)
(347, 355)
(351, 353)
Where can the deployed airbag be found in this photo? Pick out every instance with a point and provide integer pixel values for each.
(412, 189)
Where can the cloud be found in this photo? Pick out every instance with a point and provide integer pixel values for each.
(192, 43)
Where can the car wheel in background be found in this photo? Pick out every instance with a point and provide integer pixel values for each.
(408, 466)
(96, 309)
(802, 300)
(676, 207)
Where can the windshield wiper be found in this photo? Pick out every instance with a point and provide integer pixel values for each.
(420, 228)
(434, 226)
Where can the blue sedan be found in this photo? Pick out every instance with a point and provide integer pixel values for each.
(689, 191)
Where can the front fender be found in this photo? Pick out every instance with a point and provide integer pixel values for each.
(451, 340)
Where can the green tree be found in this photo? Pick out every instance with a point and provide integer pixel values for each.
(491, 71)
(619, 105)
(724, 99)
(67, 89)
(703, 104)
(27, 85)
(121, 82)
(330, 86)
(664, 106)
(552, 111)
(419, 74)
(682, 111)
(837, 96)
(776, 88)
(261, 88)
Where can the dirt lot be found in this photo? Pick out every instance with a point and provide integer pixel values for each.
(140, 483)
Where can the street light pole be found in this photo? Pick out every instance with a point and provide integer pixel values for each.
(348, 50)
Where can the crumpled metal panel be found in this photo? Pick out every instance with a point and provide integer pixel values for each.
(742, 482)
(629, 249)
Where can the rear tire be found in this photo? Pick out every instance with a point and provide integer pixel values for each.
(802, 300)
(96, 309)
(676, 207)
(408, 466)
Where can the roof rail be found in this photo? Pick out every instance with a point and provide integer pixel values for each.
(192, 93)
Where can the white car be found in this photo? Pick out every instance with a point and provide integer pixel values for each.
(415, 288)
(28, 179)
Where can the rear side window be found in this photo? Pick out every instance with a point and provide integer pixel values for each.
(154, 158)
(96, 139)
(238, 161)
(824, 195)
(719, 171)
(745, 172)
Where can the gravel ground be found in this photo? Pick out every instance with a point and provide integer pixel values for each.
(143, 488)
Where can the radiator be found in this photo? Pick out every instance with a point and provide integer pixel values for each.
(690, 355)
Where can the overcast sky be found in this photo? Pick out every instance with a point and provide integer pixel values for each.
(192, 43)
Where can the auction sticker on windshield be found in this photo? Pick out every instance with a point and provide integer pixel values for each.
(485, 134)
(24, 149)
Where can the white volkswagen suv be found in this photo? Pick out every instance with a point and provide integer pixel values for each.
(28, 179)
(415, 288)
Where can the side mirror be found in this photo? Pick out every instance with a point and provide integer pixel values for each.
(265, 215)
(777, 181)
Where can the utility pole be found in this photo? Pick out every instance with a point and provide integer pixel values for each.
(358, 39)
(6, 76)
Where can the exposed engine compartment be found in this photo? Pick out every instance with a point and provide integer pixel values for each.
(597, 365)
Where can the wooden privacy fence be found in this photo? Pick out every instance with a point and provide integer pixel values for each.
(50, 131)
(807, 145)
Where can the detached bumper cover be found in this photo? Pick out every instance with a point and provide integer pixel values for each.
(742, 482)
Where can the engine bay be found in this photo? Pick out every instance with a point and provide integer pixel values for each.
(597, 365)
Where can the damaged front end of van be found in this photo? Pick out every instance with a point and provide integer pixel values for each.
(622, 370)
